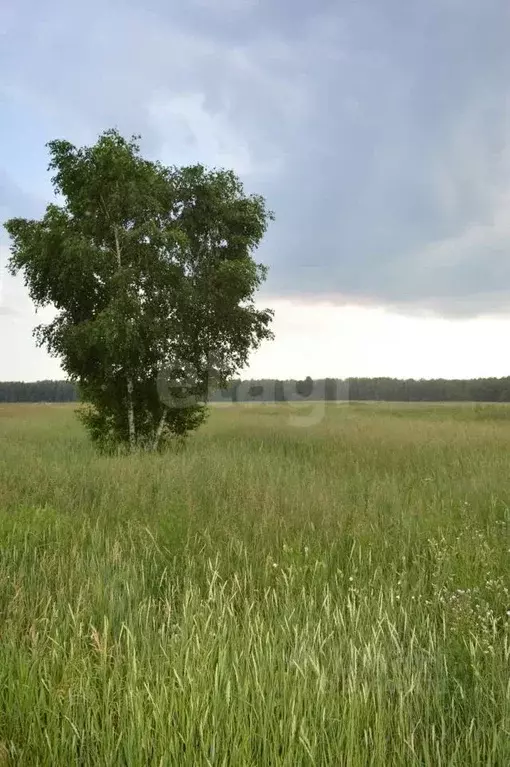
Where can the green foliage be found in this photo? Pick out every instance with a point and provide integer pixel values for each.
(151, 272)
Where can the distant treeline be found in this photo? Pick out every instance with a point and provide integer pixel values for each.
(37, 391)
(330, 389)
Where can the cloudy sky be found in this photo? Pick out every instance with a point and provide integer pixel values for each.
(378, 130)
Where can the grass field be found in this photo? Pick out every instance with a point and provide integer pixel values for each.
(271, 594)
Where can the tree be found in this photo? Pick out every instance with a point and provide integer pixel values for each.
(305, 388)
(255, 391)
(152, 274)
(279, 391)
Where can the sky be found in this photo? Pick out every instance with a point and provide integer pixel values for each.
(378, 131)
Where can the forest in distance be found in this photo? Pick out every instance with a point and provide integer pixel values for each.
(328, 389)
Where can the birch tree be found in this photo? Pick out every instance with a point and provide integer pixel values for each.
(152, 274)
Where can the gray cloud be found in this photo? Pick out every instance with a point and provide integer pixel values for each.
(378, 131)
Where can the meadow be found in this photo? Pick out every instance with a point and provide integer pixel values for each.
(282, 590)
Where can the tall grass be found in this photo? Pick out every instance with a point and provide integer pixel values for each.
(269, 595)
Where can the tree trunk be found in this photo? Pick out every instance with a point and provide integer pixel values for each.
(131, 415)
(129, 380)
(159, 431)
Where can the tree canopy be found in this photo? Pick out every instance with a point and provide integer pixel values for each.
(151, 271)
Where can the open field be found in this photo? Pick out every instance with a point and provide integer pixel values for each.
(272, 594)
